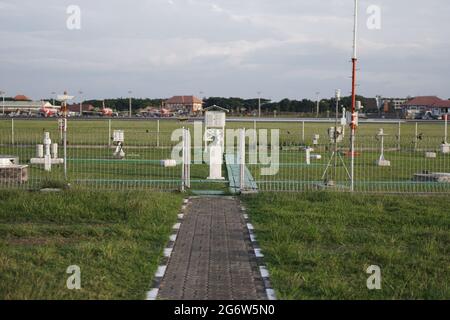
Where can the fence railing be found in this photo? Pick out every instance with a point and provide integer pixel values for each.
(411, 162)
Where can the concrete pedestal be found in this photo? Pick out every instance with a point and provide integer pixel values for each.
(13, 174)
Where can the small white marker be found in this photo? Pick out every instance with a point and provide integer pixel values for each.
(183, 207)
(185, 201)
(167, 252)
(246, 216)
(250, 226)
(180, 216)
(152, 294)
(258, 253)
(176, 226)
(264, 272)
(160, 272)
(271, 294)
(252, 237)
(173, 237)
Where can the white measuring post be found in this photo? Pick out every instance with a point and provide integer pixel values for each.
(215, 121)
(186, 159)
(445, 147)
(47, 154)
(308, 155)
(242, 159)
(382, 162)
(12, 131)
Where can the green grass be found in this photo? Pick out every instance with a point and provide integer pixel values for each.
(115, 238)
(319, 245)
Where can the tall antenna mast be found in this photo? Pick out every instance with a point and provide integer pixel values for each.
(353, 123)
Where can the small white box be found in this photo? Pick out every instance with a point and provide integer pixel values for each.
(383, 163)
(215, 119)
(168, 163)
(118, 136)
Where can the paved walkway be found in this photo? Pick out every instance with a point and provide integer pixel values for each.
(212, 258)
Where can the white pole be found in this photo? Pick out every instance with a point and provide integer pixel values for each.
(158, 130)
(183, 167)
(446, 129)
(416, 136)
(81, 103)
(317, 105)
(355, 30)
(65, 147)
(259, 104)
(303, 131)
(130, 112)
(353, 125)
(399, 135)
(109, 132)
(12, 131)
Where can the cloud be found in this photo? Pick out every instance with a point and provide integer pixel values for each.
(288, 48)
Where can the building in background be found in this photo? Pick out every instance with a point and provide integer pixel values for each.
(426, 107)
(23, 105)
(75, 108)
(184, 104)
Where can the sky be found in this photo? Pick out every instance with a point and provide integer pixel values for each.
(232, 48)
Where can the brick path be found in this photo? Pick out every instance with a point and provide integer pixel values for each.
(212, 258)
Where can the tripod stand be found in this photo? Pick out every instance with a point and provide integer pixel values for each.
(335, 135)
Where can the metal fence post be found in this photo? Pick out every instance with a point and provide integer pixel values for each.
(416, 136)
(12, 131)
(109, 132)
(65, 149)
(183, 159)
(242, 159)
(157, 135)
(303, 132)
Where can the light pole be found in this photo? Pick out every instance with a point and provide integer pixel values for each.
(130, 92)
(81, 103)
(318, 103)
(259, 104)
(3, 98)
(53, 96)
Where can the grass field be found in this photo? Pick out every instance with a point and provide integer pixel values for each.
(115, 238)
(91, 164)
(319, 245)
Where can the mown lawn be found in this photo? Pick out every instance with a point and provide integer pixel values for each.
(115, 238)
(319, 245)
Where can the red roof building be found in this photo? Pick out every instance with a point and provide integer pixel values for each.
(426, 106)
(21, 97)
(189, 104)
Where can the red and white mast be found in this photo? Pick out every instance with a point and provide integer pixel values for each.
(353, 123)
